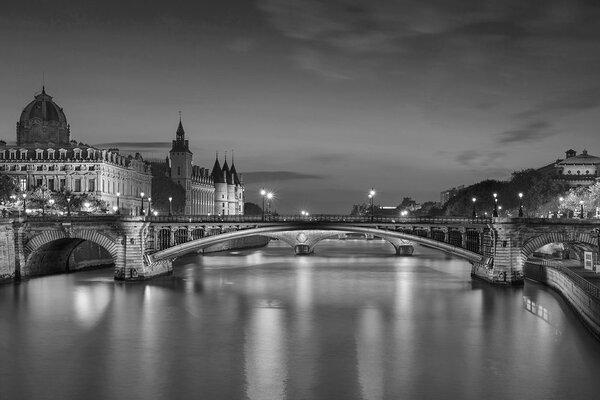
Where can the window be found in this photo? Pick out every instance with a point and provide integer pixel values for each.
(39, 154)
(51, 168)
(63, 154)
(62, 184)
(39, 182)
(51, 184)
(23, 154)
(578, 172)
(23, 183)
(78, 168)
(587, 172)
(23, 167)
(39, 168)
(569, 172)
(77, 187)
(92, 185)
(50, 154)
(92, 168)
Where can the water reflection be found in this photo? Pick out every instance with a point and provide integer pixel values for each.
(344, 323)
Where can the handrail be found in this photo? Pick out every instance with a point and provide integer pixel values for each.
(580, 281)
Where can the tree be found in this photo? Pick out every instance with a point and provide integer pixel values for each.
(359, 210)
(8, 187)
(252, 209)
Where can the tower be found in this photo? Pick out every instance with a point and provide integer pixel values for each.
(181, 165)
(220, 182)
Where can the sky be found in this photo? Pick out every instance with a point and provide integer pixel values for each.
(320, 100)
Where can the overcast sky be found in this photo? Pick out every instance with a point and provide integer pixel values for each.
(329, 97)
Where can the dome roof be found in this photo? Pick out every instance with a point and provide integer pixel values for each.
(42, 121)
(583, 158)
(44, 109)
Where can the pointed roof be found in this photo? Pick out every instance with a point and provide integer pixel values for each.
(180, 145)
(234, 175)
(217, 172)
(227, 173)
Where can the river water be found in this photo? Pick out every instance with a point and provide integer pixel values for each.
(352, 321)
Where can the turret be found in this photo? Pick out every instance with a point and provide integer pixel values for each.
(181, 164)
(221, 202)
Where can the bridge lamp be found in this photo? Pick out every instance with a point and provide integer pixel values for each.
(263, 193)
(142, 209)
(170, 206)
(25, 201)
(495, 214)
(520, 205)
(581, 212)
(269, 198)
(474, 199)
(371, 195)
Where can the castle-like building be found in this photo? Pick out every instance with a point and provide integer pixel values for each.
(45, 156)
(218, 192)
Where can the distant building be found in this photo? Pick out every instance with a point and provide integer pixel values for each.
(577, 170)
(219, 192)
(45, 156)
(450, 193)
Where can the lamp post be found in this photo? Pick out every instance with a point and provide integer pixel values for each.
(560, 200)
(142, 209)
(474, 212)
(150, 206)
(51, 201)
(371, 195)
(118, 210)
(269, 197)
(25, 198)
(520, 205)
(581, 212)
(495, 213)
(263, 193)
(69, 206)
(170, 206)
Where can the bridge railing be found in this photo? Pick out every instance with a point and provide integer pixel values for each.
(318, 218)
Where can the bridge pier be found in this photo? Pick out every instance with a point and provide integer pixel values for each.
(404, 250)
(303, 249)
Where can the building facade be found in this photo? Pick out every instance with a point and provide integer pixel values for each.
(578, 169)
(45, 156)
(219, 192)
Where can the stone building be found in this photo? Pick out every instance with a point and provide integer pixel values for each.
(45, 156)
(220, 192)
(578, 169)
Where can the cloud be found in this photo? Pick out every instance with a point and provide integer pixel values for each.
(527, 133)
(138, 145)
(272, 176)
(478, 158)
(572, 102)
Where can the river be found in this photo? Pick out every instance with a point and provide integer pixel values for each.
(352, 321)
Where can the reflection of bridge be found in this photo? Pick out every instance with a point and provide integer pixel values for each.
(145, 247)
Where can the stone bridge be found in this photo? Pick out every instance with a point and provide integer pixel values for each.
(142, 248)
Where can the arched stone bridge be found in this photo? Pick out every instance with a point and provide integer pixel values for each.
(142, 248)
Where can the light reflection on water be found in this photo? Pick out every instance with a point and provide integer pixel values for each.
(350, 322)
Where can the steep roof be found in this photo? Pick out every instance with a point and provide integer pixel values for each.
(217, 172)
(227, 173)
(234, 175)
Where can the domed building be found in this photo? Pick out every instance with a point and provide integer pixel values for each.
(578, 169)
(45, 156)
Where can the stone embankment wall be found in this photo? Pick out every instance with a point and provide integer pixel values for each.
(7, 251)
(582, 296)
(238, 244)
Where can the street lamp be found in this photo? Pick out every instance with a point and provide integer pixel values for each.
(118, 210)
(263, 193)
(170, 206)
(51, 201)
(581, 212)
(25, 197)
(495, 213)
(371, 195)
(142, 209)
(474, 212)
(269, 197)
(521, 205)
(149, 205)
(69, 206)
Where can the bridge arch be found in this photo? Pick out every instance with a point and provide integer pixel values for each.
(389, 235)
(55, 251)
(534, 243)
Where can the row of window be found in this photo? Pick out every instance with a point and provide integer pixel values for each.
(569, 172)
(93, 154)
(47, 168)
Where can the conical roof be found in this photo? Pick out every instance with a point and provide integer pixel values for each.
(227, 173)
(234, 175)
(217, 172)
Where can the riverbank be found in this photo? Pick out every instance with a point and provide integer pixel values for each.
(578, 286)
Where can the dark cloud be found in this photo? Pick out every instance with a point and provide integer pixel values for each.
(273, 176)
(527, 133)
(572, 102)
(136, 145)
(327, 31)
(477, 157)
